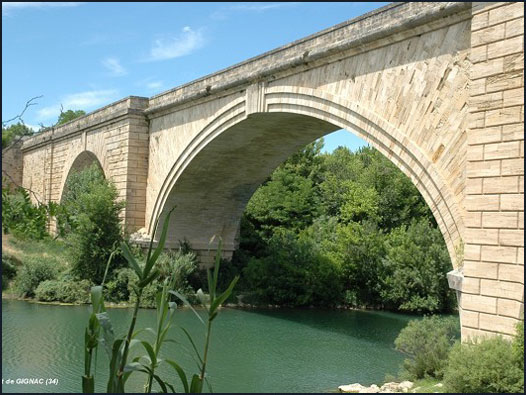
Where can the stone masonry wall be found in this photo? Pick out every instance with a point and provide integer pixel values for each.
(493, 287)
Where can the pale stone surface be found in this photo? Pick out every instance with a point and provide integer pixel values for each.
(351, 388)
(436, 87)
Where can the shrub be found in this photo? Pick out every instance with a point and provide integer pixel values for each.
(95, 229)
(518, 345)
(294, 274)
(489, 366)
(118, 289)
(8, 270)
(178, 266)
(68, 291)
(416, 263)
(23, 218)
(32, 273)
(427, 342)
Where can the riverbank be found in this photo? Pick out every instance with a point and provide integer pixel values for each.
(423, 386)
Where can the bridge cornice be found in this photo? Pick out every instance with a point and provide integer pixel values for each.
(129, 107)
(384, 26)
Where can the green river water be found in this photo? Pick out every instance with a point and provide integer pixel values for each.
(283, 350)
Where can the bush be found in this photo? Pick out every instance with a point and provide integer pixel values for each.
(518, 345)
(294, 274)
(8, 270)
(176, 266)
(118, 289)
(490, 366)
(67, 291)
(95, 228)
(416, 263)
(23, 218)
(32, 273)
(427, 342)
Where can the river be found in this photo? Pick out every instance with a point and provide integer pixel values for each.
(282, 350)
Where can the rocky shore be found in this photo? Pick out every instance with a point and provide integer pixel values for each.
(392, 387)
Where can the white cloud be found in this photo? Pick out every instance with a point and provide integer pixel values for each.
(173, 47)
(249, 7)
(261, 7)
(154, 85)
(10, 6)
(114, 66)
(78, 101)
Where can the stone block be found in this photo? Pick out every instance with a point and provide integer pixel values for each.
(514, 97)
(475, 152)
(509, 237)
(510, 308)
(506, 47)
(486, 69)
(470, 319)
(503, 289)
(480, 269)
(472, 252)
(513, 132)
(484, 168)
(501, 150)
(482, 236)
(482, 202)
(471, 285)
(497, 323)
(473, 219)
(479, 303)
(509, 80)
(511, 167)
(474, 186)
(499, 254)
(488, 35)
(506, 13)
(513, 28)
(501, 184)
(514, 201)
(503, 116)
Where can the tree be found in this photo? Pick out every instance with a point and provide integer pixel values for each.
(13, 132)
(69, 115)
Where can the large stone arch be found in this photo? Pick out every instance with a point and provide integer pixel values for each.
(217, 173)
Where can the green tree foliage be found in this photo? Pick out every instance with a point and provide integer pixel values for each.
(32, 273)
(427, 343)
(89, 218)
(293, 274)
(69, 115)
(13, 132)
(489, 366)
(8, 270)
(416, 262)
(22, 218)
(362, 219)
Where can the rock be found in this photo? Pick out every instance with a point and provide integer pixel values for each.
(438, 385)
(356, 387)
(389, 387)
(373, 389)
(405, 386)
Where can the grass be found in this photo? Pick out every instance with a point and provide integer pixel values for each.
(427, 386)
(48, 249)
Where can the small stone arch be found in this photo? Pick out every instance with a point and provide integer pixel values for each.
(81, 161)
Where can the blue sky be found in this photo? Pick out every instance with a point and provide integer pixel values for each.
(87, 55)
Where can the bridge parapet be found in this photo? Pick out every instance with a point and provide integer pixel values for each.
(111, 113)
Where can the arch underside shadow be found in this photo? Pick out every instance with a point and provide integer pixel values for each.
(81, 162)
(212, 181)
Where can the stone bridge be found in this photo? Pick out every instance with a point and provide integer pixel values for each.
(436, 87)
